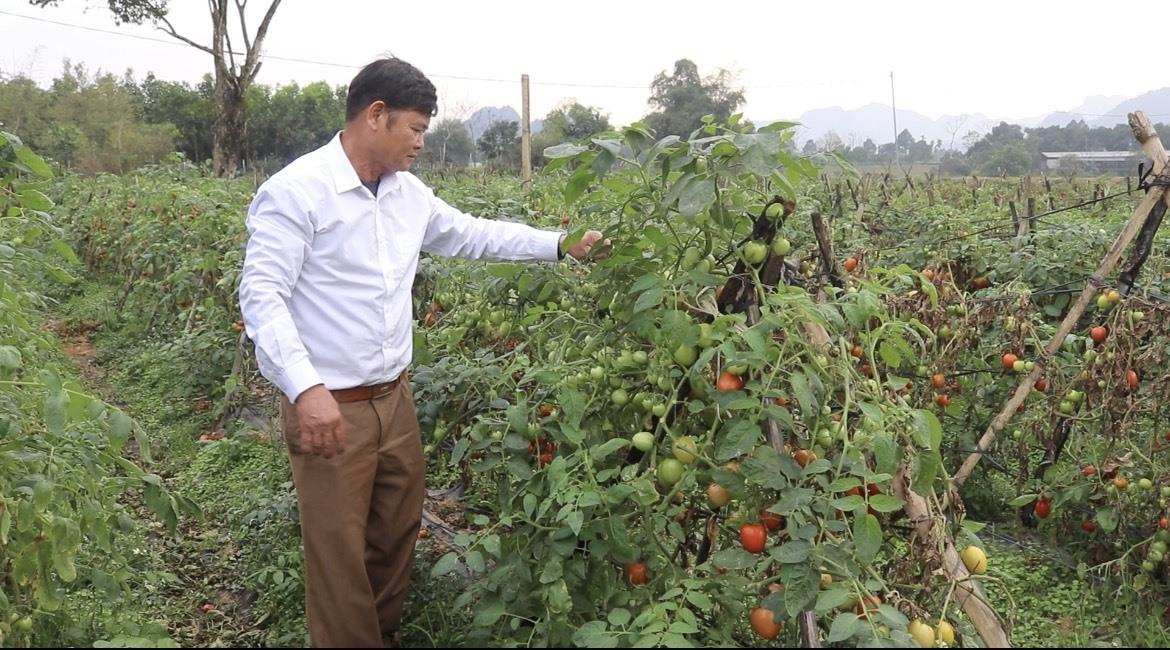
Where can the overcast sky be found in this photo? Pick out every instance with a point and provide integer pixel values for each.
(1004, 59)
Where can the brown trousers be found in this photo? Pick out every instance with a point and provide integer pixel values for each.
(360, 514)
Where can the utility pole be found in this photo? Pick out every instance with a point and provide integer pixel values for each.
(525, 140)
(894, 107)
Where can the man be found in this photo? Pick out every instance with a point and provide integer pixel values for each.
(334, 240)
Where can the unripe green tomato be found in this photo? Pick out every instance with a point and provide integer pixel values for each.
(643, 441)
(619, 397)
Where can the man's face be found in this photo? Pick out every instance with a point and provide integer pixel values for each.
(402, 136)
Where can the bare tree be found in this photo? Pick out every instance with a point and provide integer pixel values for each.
(234, 70)
(953, 124)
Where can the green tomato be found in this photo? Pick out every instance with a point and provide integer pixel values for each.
(669, 472)
(754, 252)
(773, 211)
(685, 355)
(659, 410)
(685, 450)
(781, 247)
(619, 397)
(643, 441)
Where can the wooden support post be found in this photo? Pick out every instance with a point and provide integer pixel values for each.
(1152, 147)
(525, 139)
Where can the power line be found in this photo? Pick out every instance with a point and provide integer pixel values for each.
(350, 66)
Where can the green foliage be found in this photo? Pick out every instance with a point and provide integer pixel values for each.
(683, 98)
(500, 145)
(447, 144)
(66, 457)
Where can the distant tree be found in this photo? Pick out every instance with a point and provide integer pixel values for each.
(447, 143)
(190, 109)
(569, 122)
(500, 145)
(96, 125)
(830, 141)
(954, 163)
(1007, 159)
(809, 147)
(683, 98)
(233, 76)
(287, 121)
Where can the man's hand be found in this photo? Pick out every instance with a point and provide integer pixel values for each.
(322, 430)
(582, 249)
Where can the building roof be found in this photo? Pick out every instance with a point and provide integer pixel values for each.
(1093, 156)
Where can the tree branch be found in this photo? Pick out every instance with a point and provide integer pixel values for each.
(170, 30)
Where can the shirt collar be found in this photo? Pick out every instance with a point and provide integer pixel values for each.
(345, 177)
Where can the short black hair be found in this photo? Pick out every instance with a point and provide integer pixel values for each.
(393, 81)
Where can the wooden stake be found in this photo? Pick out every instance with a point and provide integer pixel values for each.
(525, 140)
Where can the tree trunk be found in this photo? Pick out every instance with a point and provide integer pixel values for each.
(228, 149)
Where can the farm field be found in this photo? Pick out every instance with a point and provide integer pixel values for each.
(722, 434)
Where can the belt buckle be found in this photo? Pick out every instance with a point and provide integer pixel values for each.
(383, 389)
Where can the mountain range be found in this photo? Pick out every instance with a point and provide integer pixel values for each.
(875, 121)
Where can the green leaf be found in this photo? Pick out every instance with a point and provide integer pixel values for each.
(490, 612)
(1022, 500)
(929, 430)
(733, 558)
(446, 564)
(652, 297)
(926, 468)
(885, 503)
(34, 200)
(801, 583)
(565, 150)
(1108, 519)
(56, 415)
(593, 634)
(832, 598)
(34, 162)
(10, 358)
(867, 538)
(737, 437)
(849, 503)
(792, 552)
(697, 196)
(809, 407)
(844, 627)
(618, 616)
(608, 447)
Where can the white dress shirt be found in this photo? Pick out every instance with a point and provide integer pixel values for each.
(326, 284)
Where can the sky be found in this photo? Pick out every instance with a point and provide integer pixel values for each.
(1008, 60)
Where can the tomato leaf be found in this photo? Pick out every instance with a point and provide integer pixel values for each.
(792, 552)
(737, 437)
(1107, 517)
(809, 408)
(885, 503)
(867, 538)
(733, 558)
(926, 468)
(801, 582)
(832, 598)
(844, 626)
(929, 430)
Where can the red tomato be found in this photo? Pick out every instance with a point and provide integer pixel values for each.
(753, 537)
